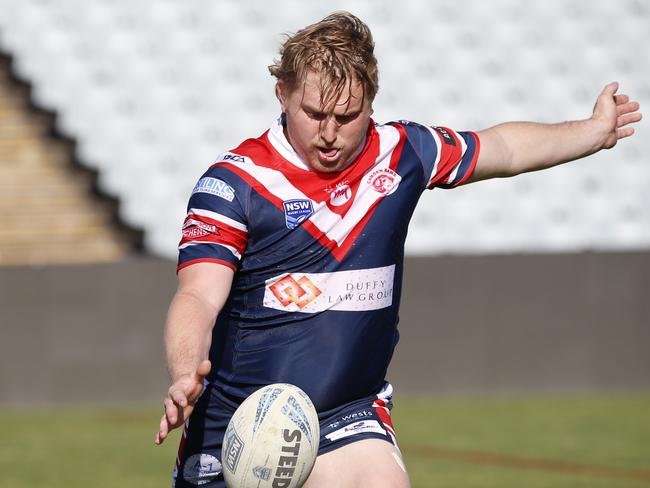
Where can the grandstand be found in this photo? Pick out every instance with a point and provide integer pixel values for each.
(51, 212)
(153, 90)
(115, 109)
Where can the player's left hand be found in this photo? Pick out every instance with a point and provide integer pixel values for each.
(615, 113)
(180, 400)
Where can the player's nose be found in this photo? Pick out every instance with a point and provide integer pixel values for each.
(328, 130)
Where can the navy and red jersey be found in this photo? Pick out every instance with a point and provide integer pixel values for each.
(318, 256)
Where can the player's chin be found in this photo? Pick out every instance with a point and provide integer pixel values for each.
(327, 166)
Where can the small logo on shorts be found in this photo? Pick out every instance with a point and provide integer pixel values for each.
(297, 211)
(362, 427)
(201, 469)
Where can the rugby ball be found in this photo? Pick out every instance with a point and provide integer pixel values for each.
(271, 440)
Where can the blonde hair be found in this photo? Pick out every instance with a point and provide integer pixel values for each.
(340, 48)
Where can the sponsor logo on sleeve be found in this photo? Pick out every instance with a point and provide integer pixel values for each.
(215, 186)
(354, 290)
(297, 211)
(446, 136)
(384, 181)
(201, 469)
(193, 228)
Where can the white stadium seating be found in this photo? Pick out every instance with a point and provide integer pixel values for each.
(152, 90)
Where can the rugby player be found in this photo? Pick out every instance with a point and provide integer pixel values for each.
(290, 265)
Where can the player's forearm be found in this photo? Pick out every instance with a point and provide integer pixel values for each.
(519, 147)
(188, 333)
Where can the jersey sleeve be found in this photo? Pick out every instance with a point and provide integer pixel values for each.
(215, 227)
(448, 157)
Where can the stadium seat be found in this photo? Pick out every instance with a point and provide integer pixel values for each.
(154, 90)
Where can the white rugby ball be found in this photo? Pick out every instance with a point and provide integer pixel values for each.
(272, 439)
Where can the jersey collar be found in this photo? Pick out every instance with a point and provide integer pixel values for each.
(279, 141)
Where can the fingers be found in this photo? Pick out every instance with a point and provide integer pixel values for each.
(174, 404)
(180, 400)
(163, 430)
(177, 396)
(203, 370)
(173, 417)
(610, 89)
(626, 132)
(626, 119)
(172, 410)
(627, 107)
(620, 99)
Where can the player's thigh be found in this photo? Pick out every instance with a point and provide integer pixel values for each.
(371, 463)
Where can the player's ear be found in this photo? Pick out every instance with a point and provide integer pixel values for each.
(281, 94)
(369, 102)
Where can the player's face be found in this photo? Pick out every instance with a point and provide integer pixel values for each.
(327, 136)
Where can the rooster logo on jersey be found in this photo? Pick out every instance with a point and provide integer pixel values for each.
(341, 194)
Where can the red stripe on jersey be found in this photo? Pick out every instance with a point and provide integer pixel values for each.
(472, 165)
(450, 156)
(315, 232)
(341, 251)
(206, 260)
(313, 184)
(206, 229)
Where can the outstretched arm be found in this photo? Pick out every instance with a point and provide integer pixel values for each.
(202, 291)
(518, 147)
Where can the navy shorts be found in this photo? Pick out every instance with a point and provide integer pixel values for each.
(199, 455)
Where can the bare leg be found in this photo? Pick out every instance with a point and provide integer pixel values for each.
(372, 463)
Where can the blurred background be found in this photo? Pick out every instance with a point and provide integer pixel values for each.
(110, 111)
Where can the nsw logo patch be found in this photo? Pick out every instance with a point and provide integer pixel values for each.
(297, 211)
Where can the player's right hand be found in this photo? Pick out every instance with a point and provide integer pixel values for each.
(615, 114)
(180, 400)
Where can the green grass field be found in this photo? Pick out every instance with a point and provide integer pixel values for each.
(464, 442)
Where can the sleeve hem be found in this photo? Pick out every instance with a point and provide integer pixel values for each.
(472, 165)
(206, 260)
